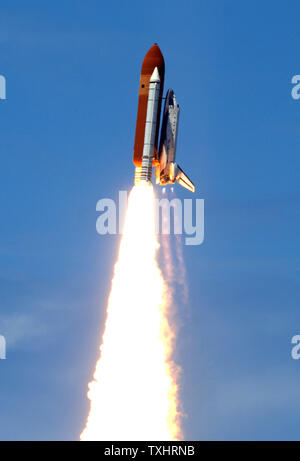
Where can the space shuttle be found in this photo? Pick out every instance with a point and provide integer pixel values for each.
(146, 154)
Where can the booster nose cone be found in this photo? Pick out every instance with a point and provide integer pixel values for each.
(155, 76)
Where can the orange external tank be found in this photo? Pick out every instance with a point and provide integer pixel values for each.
(153, 58)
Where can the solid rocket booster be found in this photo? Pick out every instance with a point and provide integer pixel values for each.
(150, 127)
(146, 155)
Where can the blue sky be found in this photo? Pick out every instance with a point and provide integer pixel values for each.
(67, 130)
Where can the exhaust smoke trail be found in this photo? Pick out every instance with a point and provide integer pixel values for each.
(174, 266)
(134, 391)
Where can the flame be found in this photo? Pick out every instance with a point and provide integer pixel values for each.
(134, 391)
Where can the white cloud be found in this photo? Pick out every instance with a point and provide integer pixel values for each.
(18, 328)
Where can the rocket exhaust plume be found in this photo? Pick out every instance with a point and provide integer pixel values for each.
(134, 391)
